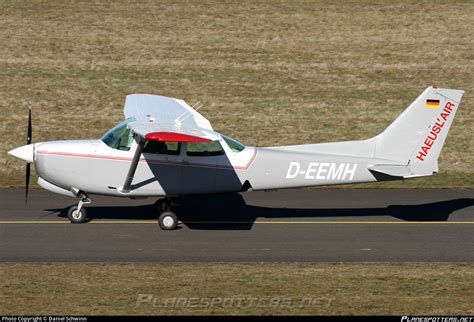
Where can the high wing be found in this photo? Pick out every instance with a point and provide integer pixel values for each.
(146, 108)
(162, 118)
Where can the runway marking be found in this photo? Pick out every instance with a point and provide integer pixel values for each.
(330, 222)
(154, 222)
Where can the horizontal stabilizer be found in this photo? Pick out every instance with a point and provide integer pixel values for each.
(401, 171)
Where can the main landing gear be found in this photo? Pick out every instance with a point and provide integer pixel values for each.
(77, 214)
(167, 219)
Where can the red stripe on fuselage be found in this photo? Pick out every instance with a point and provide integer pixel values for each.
(143, 160)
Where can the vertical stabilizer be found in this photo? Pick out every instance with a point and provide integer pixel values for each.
(417, 136)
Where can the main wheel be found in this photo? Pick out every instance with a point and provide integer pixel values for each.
(162, 205)
(168, 220)
(76, 217)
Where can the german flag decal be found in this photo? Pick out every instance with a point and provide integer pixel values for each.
(432, 103)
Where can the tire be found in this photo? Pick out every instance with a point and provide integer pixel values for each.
(168, 220)
(74, 217)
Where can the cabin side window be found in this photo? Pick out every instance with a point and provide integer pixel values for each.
(234, 145)
(204, 149)
(157, 147)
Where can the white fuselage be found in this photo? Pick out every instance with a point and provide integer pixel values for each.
(93, 167)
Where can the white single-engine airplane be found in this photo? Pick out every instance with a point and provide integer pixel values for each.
(164, 148)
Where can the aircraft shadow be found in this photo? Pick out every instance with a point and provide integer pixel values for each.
(230, 212)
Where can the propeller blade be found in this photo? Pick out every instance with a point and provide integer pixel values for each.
(29, 131)
(27, 181)
(29, 137)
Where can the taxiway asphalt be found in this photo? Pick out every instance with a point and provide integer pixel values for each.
(305, 225)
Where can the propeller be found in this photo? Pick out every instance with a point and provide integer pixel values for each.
(28, 165)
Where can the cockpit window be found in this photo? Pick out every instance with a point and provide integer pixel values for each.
(234, 145)
(169, 148)
(119, 137)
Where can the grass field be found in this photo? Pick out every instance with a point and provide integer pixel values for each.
(282, 72)
(288, 72)
(370, 289)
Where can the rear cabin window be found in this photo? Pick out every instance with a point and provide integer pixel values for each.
(234, 145)
(168, 148)
(204, 149)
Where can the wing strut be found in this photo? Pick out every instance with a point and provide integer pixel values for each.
(133, 166)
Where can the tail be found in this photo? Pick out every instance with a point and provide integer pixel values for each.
(416, 137)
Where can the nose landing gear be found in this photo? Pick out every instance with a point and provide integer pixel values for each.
(77, 214)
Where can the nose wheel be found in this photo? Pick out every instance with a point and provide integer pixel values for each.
(77, 214)
(167, 219)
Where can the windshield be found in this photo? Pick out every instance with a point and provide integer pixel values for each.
(234, 145)
(119, 137)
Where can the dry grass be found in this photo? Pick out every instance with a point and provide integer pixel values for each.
(295, 71)
(397, 289)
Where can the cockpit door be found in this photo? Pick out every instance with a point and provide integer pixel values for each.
(199, 167)
(164, 161)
